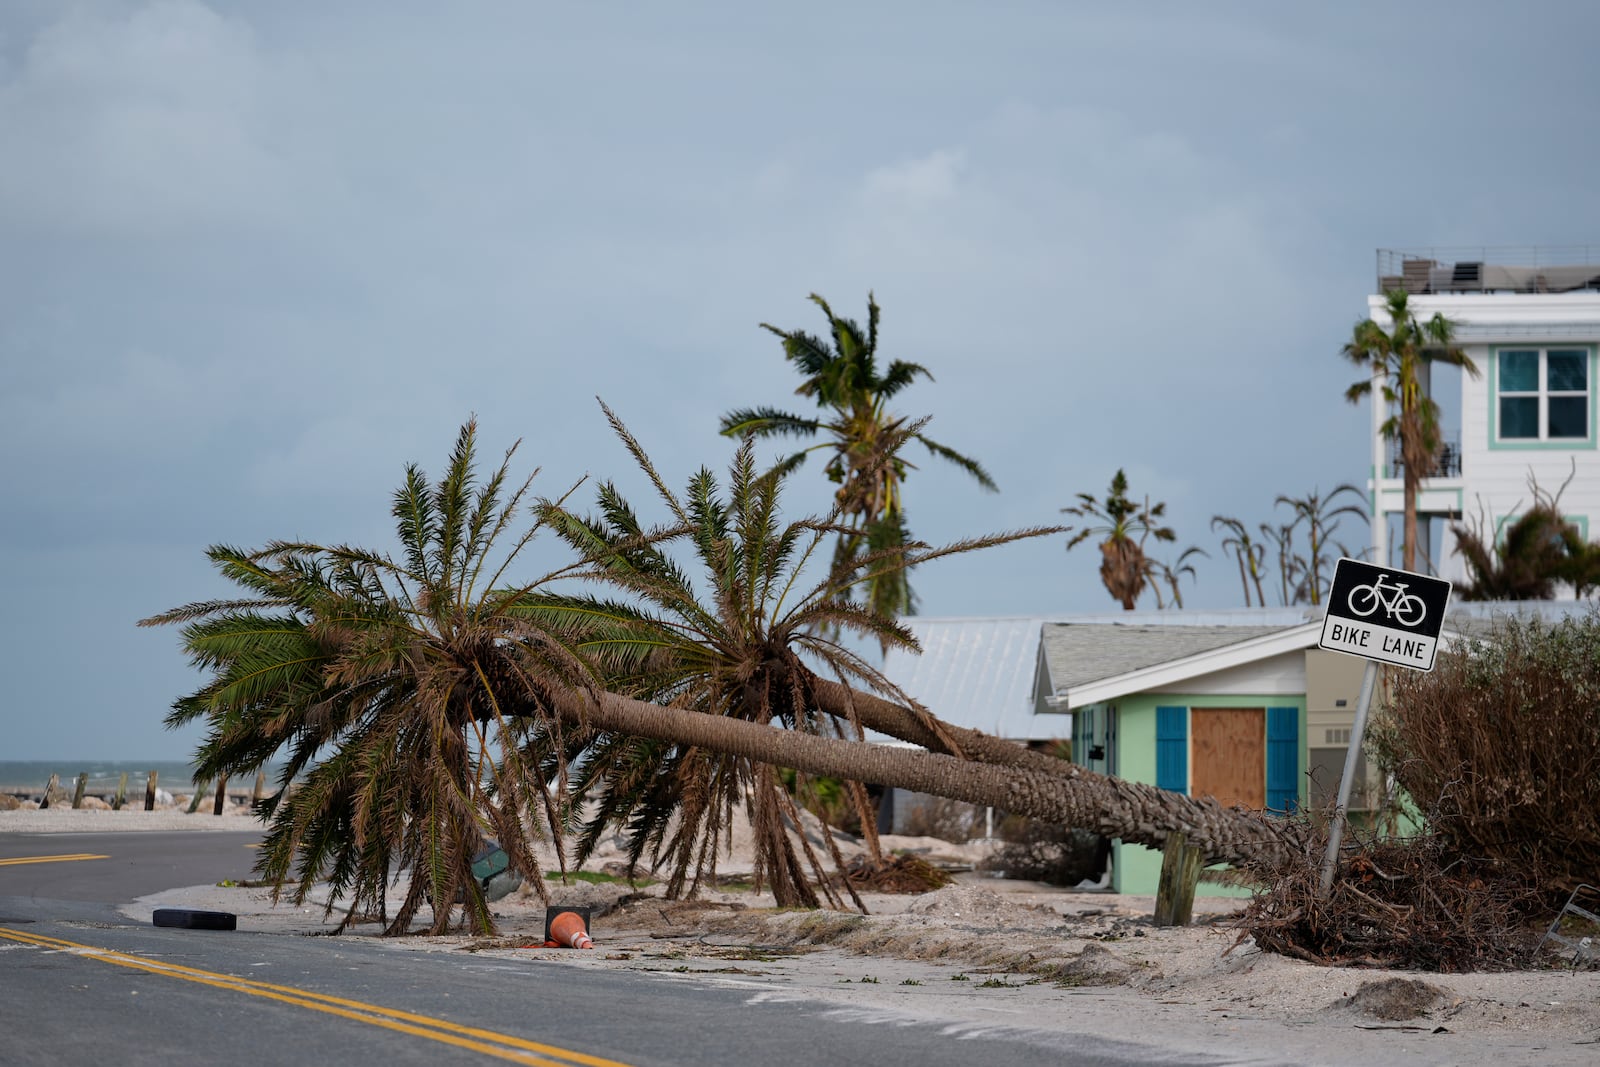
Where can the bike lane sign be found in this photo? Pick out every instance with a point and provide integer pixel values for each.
(1385, 614)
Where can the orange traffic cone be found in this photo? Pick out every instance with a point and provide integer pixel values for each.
(567, 930)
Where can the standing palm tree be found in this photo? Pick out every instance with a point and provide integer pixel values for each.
(1290, 565)
(865, 439)
(391, 685)
(1322, 519)
(1248, 552)
(1127, 527)
(1172, 573)
(1395, 358)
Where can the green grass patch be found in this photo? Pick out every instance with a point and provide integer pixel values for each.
(597, 878)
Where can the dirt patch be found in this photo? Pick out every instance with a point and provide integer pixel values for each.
(1393, 999)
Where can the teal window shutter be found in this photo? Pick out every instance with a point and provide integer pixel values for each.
(1172, 749)
(1283, 759)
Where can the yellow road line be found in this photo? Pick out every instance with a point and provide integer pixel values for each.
(441, 1030)
(13, 861)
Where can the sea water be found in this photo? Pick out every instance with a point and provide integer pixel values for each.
(31, 776)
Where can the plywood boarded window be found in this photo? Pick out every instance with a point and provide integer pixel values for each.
(1229, 755)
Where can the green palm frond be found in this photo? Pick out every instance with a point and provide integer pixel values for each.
(900, 374)
(971, 466)
(768, 422)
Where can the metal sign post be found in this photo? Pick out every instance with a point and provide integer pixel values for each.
(1387, 616)
(1358, 733)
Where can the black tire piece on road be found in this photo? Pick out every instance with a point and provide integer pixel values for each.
(190, 919)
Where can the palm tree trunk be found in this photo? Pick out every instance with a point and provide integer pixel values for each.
(1408, 555)
(1316, 574)
(1136, 813)
(920, 727)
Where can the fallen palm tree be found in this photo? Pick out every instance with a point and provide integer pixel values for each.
(422, 703)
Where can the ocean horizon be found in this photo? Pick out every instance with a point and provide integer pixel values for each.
(175, 776)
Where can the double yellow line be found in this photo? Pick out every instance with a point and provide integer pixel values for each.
(488, 1042)
(12, 862)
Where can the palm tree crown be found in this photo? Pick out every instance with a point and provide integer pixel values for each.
(1127, 526)
(865, 439)
(392, 688)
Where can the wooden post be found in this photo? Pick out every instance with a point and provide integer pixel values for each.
(222, 796)
(49, 788)
(122, 791)
(260, 789)
(1180, 872)
(77, 791)
(150, 791)
(199, 792)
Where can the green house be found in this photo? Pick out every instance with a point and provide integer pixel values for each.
(1253, 715)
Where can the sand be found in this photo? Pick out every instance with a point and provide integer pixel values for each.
(987, 953)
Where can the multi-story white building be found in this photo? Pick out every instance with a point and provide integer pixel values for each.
(1529, 318)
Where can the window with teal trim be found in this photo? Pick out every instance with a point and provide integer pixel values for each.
(1543, 394)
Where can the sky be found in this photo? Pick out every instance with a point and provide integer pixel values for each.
(255, 258)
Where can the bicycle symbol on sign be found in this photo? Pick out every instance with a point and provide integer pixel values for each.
(1405, 608)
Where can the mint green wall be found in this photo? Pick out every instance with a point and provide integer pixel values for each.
(1135, 868)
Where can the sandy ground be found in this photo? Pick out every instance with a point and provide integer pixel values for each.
(987, 953)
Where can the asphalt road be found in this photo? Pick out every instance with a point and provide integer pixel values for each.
(80, 983)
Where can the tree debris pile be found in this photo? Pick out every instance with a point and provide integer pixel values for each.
(1409, 904)
(896, 874)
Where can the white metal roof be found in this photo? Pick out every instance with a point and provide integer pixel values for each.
(977, 673)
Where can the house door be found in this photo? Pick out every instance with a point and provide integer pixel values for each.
(1229, 747)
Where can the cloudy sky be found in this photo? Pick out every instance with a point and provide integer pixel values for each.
(256, 257)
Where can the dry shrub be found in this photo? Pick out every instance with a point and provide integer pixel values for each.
(1412, 904)
(1501, 743)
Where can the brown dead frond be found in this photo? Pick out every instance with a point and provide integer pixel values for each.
(896, 874)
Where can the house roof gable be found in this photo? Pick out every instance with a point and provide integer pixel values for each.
(1089, 663)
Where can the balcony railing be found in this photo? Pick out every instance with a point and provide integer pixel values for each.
(1486, 269)
(1446, 463)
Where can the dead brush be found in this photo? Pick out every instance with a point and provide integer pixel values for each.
(896, 874)
(1501, 745)
(1410, 904)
